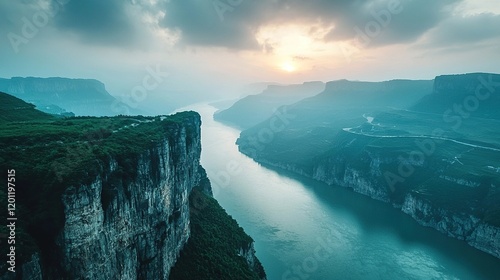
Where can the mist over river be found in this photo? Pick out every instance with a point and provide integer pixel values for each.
(307, 230)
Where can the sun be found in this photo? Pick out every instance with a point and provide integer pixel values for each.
(288, 66)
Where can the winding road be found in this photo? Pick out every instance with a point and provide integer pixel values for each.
(370, 121)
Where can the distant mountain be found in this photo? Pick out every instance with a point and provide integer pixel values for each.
(475, 94)
(223, 104)
(81, 96)
(253, 109)
(317, 120)
(15, 109)
(430, 149)
(343, 103)
(256, 88)
(346, 95)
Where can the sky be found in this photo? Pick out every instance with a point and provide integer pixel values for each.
(212, 48)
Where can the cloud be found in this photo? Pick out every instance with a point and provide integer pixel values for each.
(392, 21)
(203, 23)
(12, 13)
(110, 22)
(97, 21)
(7, 20)
(234, 26)
(465, 31)
(21, 21)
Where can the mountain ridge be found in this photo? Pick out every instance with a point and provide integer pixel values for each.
(440, 171)
(83, 97)
(253, 109)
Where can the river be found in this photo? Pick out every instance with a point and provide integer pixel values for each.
(304, 229)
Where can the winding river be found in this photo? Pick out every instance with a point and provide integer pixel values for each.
(304, 229)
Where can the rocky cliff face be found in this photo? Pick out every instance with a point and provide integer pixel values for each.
(481, 88)
(462, 226)
(134, 229)
(251, 259)
(338, 171)
(348, 176)
(120, 208)
(440, 168)
(364, 173)
(465, 83)
(139, 233)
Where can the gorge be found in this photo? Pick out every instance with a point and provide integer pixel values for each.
(127, 196)
(439, 168)
(306, 228)
(107, 198)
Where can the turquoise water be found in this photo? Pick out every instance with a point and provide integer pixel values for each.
(307, 230)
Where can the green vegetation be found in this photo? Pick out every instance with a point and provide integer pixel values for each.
(331, 132)
(438, 179)
(51, 154)
(212, 250)
(15, 109)
(455, 177)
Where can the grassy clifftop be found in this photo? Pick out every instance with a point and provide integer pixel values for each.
(49, 154)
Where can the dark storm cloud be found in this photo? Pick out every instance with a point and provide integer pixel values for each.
(97, 20)
(233, 23)
(201, 24)
(93, 21)
(220, 23)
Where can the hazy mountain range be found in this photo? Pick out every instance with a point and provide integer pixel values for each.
(83, 97)
(431, 148)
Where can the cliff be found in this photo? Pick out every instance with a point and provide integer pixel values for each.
(129, 219)
(218, 249)
(102, 198)
(140, 231)
(440, 169)
(470, 228)
(458, 204)
(474, 93)
(462, 84)
(465, 209)
(356, 95)
(84, 97)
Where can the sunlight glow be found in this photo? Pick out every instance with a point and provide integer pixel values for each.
(293, 39)
(296, 46)
(288, 66)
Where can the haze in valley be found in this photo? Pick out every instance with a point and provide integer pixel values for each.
(202, 50)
